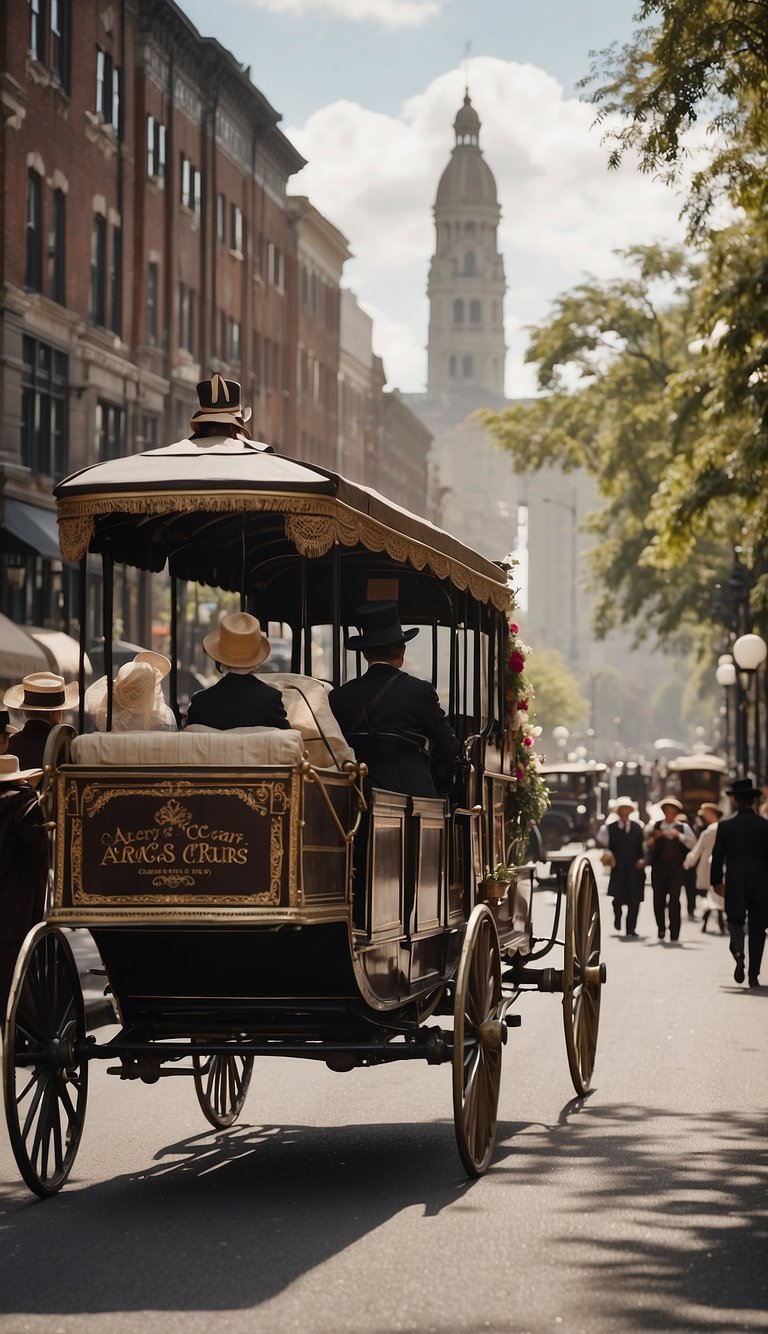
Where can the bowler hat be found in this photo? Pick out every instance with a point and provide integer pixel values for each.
(745, 789)
(379, 624)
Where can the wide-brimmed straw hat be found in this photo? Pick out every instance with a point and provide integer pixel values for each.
(670, 801)
(238, 642)
(219, 401)
(624, 804)
(11, 773)
(379, 624)
(42, 692)
(6, 728)
(709, 806)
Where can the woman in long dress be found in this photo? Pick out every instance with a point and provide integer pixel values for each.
(700, 856)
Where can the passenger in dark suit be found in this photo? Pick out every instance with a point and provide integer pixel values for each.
(393, 721)
(239, 699)
(741, 846)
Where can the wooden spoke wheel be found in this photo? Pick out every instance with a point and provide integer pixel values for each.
(583, 973)
(221, 1084)
(45, 1069)
(477, 1041)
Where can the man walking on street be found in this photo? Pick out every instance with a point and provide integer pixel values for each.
(667, 842)
(741, 846)
(624, 840)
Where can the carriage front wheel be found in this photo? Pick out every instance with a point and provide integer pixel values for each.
(583, 973)
(477, 1041)
(45, 1069)
(221, 1083)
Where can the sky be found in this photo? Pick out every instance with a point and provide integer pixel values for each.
(368, 91)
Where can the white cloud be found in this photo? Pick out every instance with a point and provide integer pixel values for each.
(563, 212)
(389, 13)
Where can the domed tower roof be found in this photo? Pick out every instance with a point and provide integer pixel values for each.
(467, 179)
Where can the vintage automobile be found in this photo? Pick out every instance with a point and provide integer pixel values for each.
(578, 803)
(697, 778)
(245, 893)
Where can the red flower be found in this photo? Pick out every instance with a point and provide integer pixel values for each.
(516, 661)
(519, 773)
(527, 740)
(514, 629)
(522, 704)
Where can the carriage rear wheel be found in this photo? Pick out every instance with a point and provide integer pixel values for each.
(477, 1041)
(45, 1070)
(583, 973)
(221, 1084)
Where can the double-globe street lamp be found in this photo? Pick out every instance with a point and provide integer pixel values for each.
(749, 654)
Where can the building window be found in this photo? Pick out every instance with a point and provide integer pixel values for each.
(153, 286)
(116, 280)
(155, 149)
(99, 270)
(452, 367)
(234, 341)
(107, 90)
(45, 389)
(271, 264)
(186, 318)
(469, 229)
(60, 30)
(34, 259)
(475, 312)
(470, 264)
(236, 239)
(191, 186)
(36, 37)
(221, 209)
(458, 311)
(110, 430)
(466, 367)
(149, 428)
(57, 255)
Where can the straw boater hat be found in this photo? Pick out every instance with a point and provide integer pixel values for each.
(6, 729)
(671, 801)
(11, 773)
(624, 804)
(42, 692)
(379, 624)
(709, 806)
(135, 692)
(238, 642)
(220, 402)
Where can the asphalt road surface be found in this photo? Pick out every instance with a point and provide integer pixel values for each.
(338, 1204)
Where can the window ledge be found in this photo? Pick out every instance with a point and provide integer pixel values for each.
(100, 134)
(236, 254)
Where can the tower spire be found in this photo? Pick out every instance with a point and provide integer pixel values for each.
(465, 62)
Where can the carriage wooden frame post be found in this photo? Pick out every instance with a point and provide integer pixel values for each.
(245, 895)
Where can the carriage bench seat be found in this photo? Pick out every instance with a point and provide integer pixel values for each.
(247, 747)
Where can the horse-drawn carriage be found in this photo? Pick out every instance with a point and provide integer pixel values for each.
(246, 895)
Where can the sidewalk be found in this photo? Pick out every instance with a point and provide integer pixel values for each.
(99, 1009)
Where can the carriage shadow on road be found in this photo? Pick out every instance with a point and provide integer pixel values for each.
(228, 1220)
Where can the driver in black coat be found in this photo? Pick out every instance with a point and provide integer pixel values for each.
(392, 720)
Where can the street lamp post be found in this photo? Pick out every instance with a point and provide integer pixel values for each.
(725, 675)
(570, 506)
(749, 652)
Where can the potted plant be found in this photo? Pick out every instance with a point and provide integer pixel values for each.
(495, 883)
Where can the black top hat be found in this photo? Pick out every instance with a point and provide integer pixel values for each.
(744, 789)
(379, 624)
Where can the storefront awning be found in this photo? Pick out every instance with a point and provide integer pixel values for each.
(62, 652)
(19, 654)
(29, 530)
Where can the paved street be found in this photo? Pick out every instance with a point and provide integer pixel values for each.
(339, 1204)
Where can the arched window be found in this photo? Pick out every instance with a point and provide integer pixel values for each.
(466, 367)
(452, 368)
(475, 312)
(458, 311)
(470, 263)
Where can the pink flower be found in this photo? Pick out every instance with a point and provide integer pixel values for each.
(519, 773)
(522, 704)
(516, 661)
(527, 740)
(514, 629)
